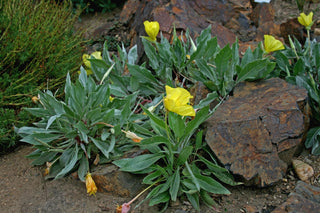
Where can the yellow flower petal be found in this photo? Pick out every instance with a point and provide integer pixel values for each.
(177, 100)
(90, 184)
(96, 55)
(85, 57)
(186, 110)
(111, 98)
(305, 20)
(152, 29)
(271, 44)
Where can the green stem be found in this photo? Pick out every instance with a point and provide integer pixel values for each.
(143, 191)
(166, 122)
(309, 42)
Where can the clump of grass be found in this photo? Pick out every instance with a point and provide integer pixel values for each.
(38, 47)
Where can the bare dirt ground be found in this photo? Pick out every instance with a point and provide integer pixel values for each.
(24, 189)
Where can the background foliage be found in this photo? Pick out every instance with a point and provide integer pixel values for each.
(37, 48)
(91, 6)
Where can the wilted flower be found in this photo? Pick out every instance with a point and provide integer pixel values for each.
(47, 170)
(124, 208)
(306, 20)
(177, 100)
(85, 57)
(35, 99)
(133, 136)
(271, 44)
(152, 29)
(90, 184)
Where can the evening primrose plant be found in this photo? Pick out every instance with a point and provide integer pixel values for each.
(87, 127)
(184, 62)
(173, 166)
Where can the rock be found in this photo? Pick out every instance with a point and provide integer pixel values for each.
(302, 169)
(293, 28)
(110, 179)
(305, 198)
(225, 17)
(256, 132)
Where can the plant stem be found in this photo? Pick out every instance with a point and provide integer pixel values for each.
(166, 122)
(143, 191)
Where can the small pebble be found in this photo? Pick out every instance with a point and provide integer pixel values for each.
(302, 169)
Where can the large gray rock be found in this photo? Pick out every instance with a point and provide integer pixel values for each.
(256, 132)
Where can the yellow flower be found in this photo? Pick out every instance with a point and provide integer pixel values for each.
(85, 57)
(90, 184)
(271, 44)
(111, 98)
(306, 20)
(152, 29)
(177, 100)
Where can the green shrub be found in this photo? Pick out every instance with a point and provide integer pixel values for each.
(91, 6)
(37, 48)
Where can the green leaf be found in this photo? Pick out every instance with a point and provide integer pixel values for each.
(306, 83)
(160, 198)
(175, 185)
(194, 200)
(208, 71)
(34, 130)
(144, 75)
(155, 140)
(38, 112)
(199, 140)
(133, 55)
(51, 120)
(190, 186)
(142, 130)
(155, 119)
(105, 53)
(221, 173)
(247, 57)
(44, 157)
(41, 138)
(176, 123)
(117, 90)
(222, 62)
(83, 168)
(193, 178)
(70, 164)
(103, 146)
(211, 185)
(298, 67)
(282, 61)
(312, 137)
(207, 199)
(200, 117)
(151, 53)
(253, 70)
(184, 155)
(138, 163)
(99, 67)
(208, 100)
(83, 79)
(149, 178)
